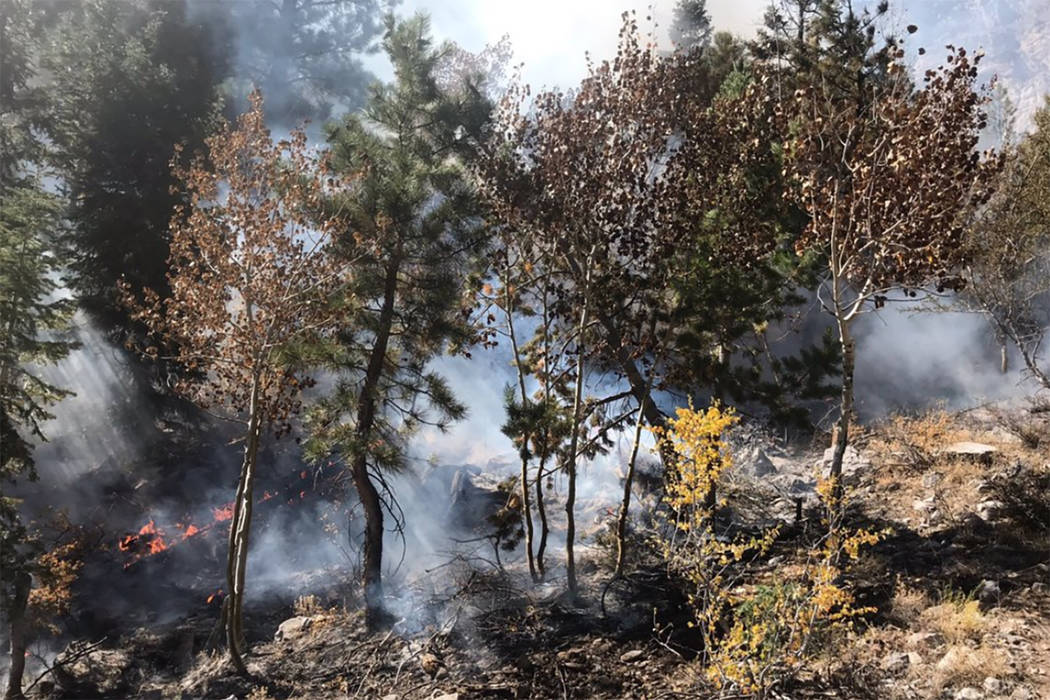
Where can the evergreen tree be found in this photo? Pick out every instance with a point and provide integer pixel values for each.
(827, 41)
(31, 318)
(414, 235)
(691, 25)
(131, 79)
(304, 55)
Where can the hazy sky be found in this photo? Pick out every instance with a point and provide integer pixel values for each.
(552, 36)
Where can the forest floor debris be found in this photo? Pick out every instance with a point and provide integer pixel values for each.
(961, 591)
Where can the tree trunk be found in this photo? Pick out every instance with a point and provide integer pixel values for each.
(846, 412)
(570, 464)
(625, 503)
(526, 511)
(526, 507)
(1028, 355)
(614, 339)
(541, 510)
(19, 636)
(240, 529)
(372, 571)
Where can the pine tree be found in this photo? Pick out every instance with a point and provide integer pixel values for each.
(691, 25)
(414, 233)
(31, 317)
(304, 55)
(130, 80)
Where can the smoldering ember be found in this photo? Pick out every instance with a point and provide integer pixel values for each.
(453, 349)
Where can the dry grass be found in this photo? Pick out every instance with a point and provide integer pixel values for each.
(913, 442)
(958, 618)
(908, 603)
(963, 665)
(308, 606)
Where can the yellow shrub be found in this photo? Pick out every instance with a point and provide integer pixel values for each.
(754, 635)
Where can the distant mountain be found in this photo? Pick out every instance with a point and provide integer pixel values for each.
(1015, 35)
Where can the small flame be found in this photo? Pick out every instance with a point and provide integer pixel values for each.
(152, 540)
(214, 595)
(224, 513)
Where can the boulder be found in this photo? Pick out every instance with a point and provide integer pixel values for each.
(975, 451)
(989, 510)
(753, 461)
(632, 656)
(925, 505)
(293, 628)
(852, 461)
(472, 498)
(917, 639)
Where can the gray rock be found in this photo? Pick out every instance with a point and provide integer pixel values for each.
(753, 461)
(993, 685)
(852, 461)
(968, 694)
(975, 451)
(796, 485)
(989, 510)
(951, 660)
(293, 628)
(925, 505)
(989, 591)
(632, 656)
(1040, 588)
(920, 638)
(931, 479)
(896, 663)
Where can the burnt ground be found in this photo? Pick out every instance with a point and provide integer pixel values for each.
(961, 588)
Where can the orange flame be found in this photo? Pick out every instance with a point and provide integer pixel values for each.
(224, 513)
(151, 539)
